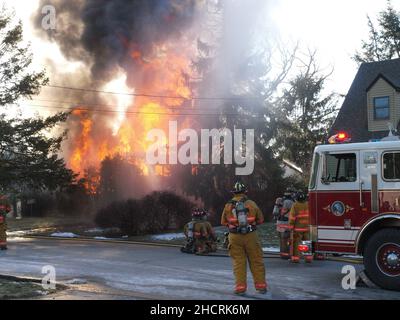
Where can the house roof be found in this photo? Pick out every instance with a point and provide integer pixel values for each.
(352, 117)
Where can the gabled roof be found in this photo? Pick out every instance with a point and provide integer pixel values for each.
(352, 117)
(381, 76)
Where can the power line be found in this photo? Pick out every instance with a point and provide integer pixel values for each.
(80, 103)
(150, 95)
(136, 112)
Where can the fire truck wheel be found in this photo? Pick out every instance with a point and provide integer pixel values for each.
(382, 258)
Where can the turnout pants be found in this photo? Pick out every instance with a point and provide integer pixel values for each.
(284, 238)
(245, 248)
(3, 235)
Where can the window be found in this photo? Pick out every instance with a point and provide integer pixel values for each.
(341, 167)
(391, 166)
(314, 171)
(381, 108)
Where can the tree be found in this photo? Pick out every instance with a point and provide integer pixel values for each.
(305, 115)
(384, 41)
(234, 69)
(120, 179)
(28, 151)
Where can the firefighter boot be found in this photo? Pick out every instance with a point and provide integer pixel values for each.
(201, 248)
(308, 259)
(240, 289)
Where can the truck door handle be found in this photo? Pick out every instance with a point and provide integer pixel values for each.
(361, 196)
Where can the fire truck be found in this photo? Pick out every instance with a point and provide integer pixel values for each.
(354, 202)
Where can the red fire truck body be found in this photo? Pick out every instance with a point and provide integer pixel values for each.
(354, 200)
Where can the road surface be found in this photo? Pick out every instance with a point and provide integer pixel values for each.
(127, 271)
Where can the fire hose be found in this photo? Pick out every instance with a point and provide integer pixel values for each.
(224, 252)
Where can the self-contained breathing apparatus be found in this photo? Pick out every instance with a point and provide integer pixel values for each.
(240, 212)
(189, 246)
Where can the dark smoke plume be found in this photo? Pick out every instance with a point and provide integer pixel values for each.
(106, 32)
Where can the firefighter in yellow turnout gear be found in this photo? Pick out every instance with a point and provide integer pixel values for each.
(241, 215)
(299, 223)
(4, 209)
(200, 236)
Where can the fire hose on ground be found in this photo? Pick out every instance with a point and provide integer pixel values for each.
(267, 255)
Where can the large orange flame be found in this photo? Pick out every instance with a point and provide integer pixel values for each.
(164, 73)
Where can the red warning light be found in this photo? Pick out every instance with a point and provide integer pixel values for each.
(303, 248)
(341, 137)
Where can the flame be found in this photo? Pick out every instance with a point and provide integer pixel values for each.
(163, 72)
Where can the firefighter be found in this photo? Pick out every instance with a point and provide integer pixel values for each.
(4, 209)
(282, 224)
(209, 234)
(200, 237)
(241, 215)
(276, 212)
(299, 223)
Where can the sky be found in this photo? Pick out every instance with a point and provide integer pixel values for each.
(333, 28)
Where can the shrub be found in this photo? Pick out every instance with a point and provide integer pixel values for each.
(154, 213)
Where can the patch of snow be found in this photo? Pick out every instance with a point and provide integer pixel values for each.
(352, 256)
(270, 249)
(101, 238)
(125, 237)
(19, 239)
(64, 235)
(95, 230)
(18, 233)
(76, 281)
(168, 236)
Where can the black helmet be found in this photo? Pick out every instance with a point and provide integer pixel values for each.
(198, 213)
(239, 187)
(301, 196)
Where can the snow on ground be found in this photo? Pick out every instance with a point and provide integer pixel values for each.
(102, 238)
(64, 235)
(168, 236)
(95, 230)
(18, 233)
(270, 249)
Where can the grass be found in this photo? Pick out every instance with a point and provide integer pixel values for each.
(45, 223)
(11, 289)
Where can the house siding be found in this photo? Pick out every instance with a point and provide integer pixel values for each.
(381, 89)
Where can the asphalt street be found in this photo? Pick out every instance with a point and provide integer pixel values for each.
(128, 271)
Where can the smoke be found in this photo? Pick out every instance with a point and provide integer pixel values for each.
(149, 42)
(105, 33)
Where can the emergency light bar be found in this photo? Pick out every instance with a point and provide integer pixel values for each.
(341, 137)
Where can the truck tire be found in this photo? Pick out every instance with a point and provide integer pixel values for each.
(382, 258)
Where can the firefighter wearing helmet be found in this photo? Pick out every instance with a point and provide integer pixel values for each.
(299, 222)
(5, 208)
(282, 224)
(199, 234)
(241, 215)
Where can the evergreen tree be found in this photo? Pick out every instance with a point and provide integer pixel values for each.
(28, 151)
(304, 116)
(384, 41)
